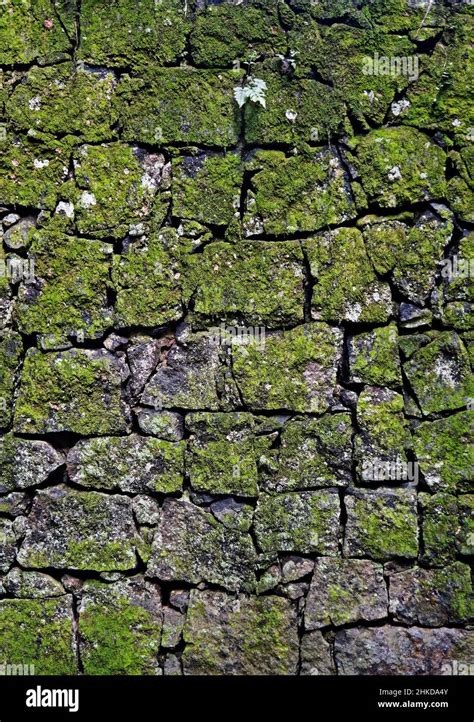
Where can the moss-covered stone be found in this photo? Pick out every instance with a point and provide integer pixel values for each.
(78, 391)
(69, 294)
(130, 34)
(257, 282)
(120, 627)
(247, 635)
(32, 585)
(311, 453)
(206, 187)
(444, 451)
(222, 458)
(25, 463)
(439, 527)
(51, 652)
(297, 194)
(381, 524)
(132, 464)
(191, 546)
(432, 597)
(7, 545)
(11, 348)
(411, 254)
(374, 357)
(345, 285)
(304, 522)
(179, 105)
(36, 30)
(383, 438)
(465, 531)
(65, 101)
(440, 374)
(399, 166)
(295, 369)
(118, 188)
(223, 34)
(344, 591)
(147, 281)
(69, 529)
(31, 174)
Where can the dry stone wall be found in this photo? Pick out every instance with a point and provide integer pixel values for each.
(235, 336)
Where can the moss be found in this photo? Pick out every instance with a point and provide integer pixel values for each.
(39, 633)
(440, 374)
(465, 530)
(374, 357)
(11, 348)
(31, 174)
(118, 187)
(179, 105)
(439, 527)
(382, 524)
(147, 281)
(400, 166)
(223, 34)
(222, 456)
(295, 369)
(206, 187)
(345, 285)
(119, 634)
(24, 38)
(76, 391)
(297, 193)
(63, 101)
(258, 283)
(445, 454)
(130, 34)
(69, 294)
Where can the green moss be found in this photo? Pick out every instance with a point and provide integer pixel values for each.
(64, 101)
(76, 391)
(39, 633)
(206, 187)
(345, 285)
(399, 166)
(246, 281)
(297, 193)
(147, 280)
(24, 37)
(374, 357)
(11, 348)
(131, 34)
(179, 105)
(69, 293)
(119, 635)
(295, 369)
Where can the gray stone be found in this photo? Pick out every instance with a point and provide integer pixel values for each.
(25, 463)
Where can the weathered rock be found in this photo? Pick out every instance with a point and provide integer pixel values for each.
(440, 524)
(52, 651)
(399, 651)
(295, 370)
(312, 453)
(133, 464)
(120, 627)
(31, 585)
(191, 546)
(432, 598)
(7, 545)
(294, 568)
(173, 624)
(166, 425)
(77, 391)
(374, 357)
(247, 635)
(69, 529)
(316, 657)
(25, 463)
(222, 456)
(344, 591)
(444, 453)
(302, 522)
(345, 285)
(10, 354)
(381, 524)
(233, 514)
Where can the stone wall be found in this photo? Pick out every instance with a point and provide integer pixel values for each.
(236, 275)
